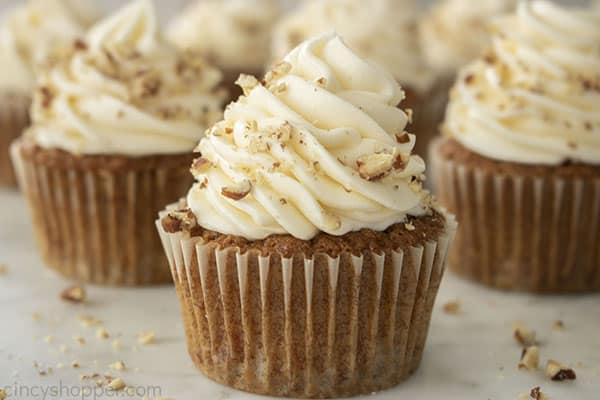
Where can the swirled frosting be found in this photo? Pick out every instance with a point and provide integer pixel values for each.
(383, 31)
(455, 32)
(125, 91)
(535, 97)
(320, 146)
(32, 32)
(234, 34)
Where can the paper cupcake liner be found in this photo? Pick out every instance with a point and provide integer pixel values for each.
(315, 327)
(96, 224)
(14, 118)
(538, 234)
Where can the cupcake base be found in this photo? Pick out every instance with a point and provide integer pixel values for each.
(531, 228)
(331, 317)
(93, 216)
(14, 118)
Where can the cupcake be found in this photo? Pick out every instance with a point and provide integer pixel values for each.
(520, 160)
(307, 256)
(234, 35)
(385, 32)
(113, 125)
(29, 35)
(454, 33)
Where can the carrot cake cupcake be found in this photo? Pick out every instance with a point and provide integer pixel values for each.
(385, 32)
(234, 35)
(113, 125)
(454, 33)
(520, 160)
(29, 35)
(307, 256)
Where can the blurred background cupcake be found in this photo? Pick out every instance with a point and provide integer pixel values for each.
(233, 35)
(30, 35)
(113, 128)
(454, 33)
(520, 160)
(307, 256)
(383, 31)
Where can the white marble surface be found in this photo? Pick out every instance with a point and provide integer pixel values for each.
(469, 356)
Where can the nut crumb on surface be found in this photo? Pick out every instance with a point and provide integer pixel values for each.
(530, 358)
(88, 321)
(558, 325)
(452, 307)
(117, 366)
(75, 364)
(101, 333)
(146, 337)
(558, 372)
(536, 394)
(79, 339)
(117, 384)
(524, 335)
(3, 394)
(74, 294)
(3, 269)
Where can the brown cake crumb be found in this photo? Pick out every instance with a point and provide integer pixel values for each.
(558, 372)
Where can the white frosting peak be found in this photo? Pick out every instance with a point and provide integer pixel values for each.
(31, 33)
(535, 98)
(125, 91)
(321, 146)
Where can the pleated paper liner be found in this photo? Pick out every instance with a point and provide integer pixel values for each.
(525, 232)
(14, 118)
(315, 327)
(93, 216)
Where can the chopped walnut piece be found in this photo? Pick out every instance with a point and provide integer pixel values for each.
(558, 372)
(277, 71)
(146, 337)
(117, 366)
(177, 221)
(75, 364)
(74, 294)
(452, 307)
(199, 166)
(3, 394)
(375, 166)
(80, 45)
(247, 83)
(524, 335)
(237, 191)
(409, 227)
(530, 358)
(117, 384)
(536, 394)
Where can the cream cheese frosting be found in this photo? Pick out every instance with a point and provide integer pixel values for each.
(455, 32)
(383, 31)
(32, 32)
(124, 90)
(535, 98)
(233, 34)
(320, 146)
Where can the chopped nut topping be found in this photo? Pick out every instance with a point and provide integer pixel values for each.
(536, 394)
(403, 138)
(469, 79)
(146, 337)
(410, 115)
(409, 227)
(74, 294)
(322, 81)
(177, 221)
(117, 366)
(278, 71)
(199, 166)
(80, 45)
(401, 161)
(452, 307)
(247, 83)
(523, 335)
(530, 358)
(146, 84)
(46, 96)
(117, 384)
(237, 191)
(101, 333)
(3, 394)
(75, 364)
(375, 166)
(558, 372)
